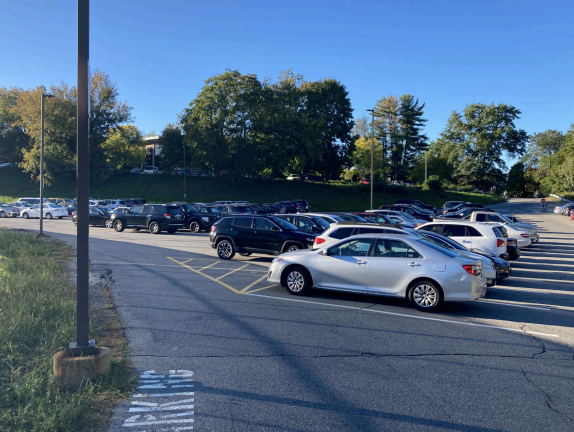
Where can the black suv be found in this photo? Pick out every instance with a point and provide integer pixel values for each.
(155, 217)
(310, 224)
(195, 219)
(257, 234)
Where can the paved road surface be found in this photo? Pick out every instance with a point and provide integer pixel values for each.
(221, 350)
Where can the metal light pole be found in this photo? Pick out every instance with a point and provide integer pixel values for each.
(426, 171)
(372, 151)
(184, 176)
(44, 95)
(83, 345)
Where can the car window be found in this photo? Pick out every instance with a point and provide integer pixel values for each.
(394, 249)
(290, 219)
(284, 224)
(305, 224)
(243, 222)
(341, 233)
(356, 247)
(374, 231)
(481, 218)
(322, 222)
(175, 210)
(472, 232)
(498, 232)
(448, 252)
(264, 224)
(454, 230)
(147, 209)
(136, 209)
(432, 228)
(495, 218)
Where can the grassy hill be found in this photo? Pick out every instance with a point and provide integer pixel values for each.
(337, 196)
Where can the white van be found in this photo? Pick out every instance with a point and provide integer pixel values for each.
(150, 169)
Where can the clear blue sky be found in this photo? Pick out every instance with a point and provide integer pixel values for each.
(446, 53)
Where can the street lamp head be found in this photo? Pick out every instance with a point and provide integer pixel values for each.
(371, 110)
(48, 95)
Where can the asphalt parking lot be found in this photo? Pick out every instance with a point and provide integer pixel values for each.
(220, 349)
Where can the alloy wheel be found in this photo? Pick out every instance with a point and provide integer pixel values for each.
(194, 227)
(2, 214)
(108, 223)
(224, 250)
(426, 296)
(295, 281)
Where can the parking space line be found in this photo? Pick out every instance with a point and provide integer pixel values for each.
(232, 271)
(260, 289)
(244, 290)
(505, 303)
(404, 315)
(207, 276)
(210, 265)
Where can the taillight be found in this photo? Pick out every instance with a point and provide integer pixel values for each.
(471, 269)
(499, 243)
(525, 235)
(318, 241)
(167, 215)
(73, 213)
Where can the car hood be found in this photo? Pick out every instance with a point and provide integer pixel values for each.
(524, 226)
(299, 253)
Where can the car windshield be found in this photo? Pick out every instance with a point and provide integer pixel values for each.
(284, 224)
(438, 248)
(324, 224)
(407, 216)
(4, 205)
(506, 218)
(106, 210)
(414, 232)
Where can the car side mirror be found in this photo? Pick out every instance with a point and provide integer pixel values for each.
(275, 229)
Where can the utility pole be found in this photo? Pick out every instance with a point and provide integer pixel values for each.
(44, 96)
(426, 176)
(184, 175)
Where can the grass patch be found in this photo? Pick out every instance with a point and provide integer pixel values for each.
(336, 196)
(37, 319)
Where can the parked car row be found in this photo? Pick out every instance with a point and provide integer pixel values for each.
(565, 209)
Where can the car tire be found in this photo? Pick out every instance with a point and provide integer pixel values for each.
(296, 280)
(194, 227)
(76, 222)
(2, 214)
(425, 295)
(245, 253)
(225, 249)
(108, 223)
(154, 228)
(25, 215)
(119, 226)
(48, 215)
(292, 248)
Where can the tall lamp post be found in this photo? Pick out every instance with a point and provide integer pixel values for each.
(44, 96)
(184, 175)
(372, 111)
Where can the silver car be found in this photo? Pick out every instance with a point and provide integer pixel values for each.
(402, 266)
(8, 210)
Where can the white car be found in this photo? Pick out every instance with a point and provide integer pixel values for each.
(150, 169)
(50, 211)
(341, 230)
(294, 177)
(407, 218)
(398, 266)
(522, 237)
(473, 235)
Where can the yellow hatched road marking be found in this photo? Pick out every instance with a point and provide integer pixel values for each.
(253, 284)
(210, 265)
(260, 289)
(232, 271)
(207, 276)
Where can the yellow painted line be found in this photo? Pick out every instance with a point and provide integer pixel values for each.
(253, 284)
(207, 276)
(210, 265)
(232, 271)
(188, 260)
(260, 289)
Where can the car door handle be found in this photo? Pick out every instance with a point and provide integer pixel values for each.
(414, 264)
(360, 262)
(466, 241)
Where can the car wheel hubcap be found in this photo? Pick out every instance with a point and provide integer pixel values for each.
(224, 249)
(2, 214)
(425, 296)
(292, 248)
(295, 281)
(108, 224)
(194, 227)
(154, 228)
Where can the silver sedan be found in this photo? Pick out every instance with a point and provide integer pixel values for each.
(409, 267)
(8, 210)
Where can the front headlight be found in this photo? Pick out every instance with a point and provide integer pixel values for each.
(276, 260)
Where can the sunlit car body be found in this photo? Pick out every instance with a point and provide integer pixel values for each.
(50, 211)
(99, 216)
(392, 265)
(8, 210)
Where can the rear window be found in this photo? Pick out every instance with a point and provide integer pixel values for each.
(438, 248)
(341, 233)
(174, 210)
(498, 232)
(190, 208)
(284, 224)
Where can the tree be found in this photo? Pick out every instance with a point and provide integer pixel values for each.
(479, 138)
(124, 147)
(219, 124)
(362, 158)
(12, 138)
(171, 142)
(516, 180)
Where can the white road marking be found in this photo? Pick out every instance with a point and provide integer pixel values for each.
(503, 303)
(403, 315)
(163, 412)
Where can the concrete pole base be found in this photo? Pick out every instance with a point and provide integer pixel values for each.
(76, 371)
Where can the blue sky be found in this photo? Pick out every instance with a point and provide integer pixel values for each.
(446, 53)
